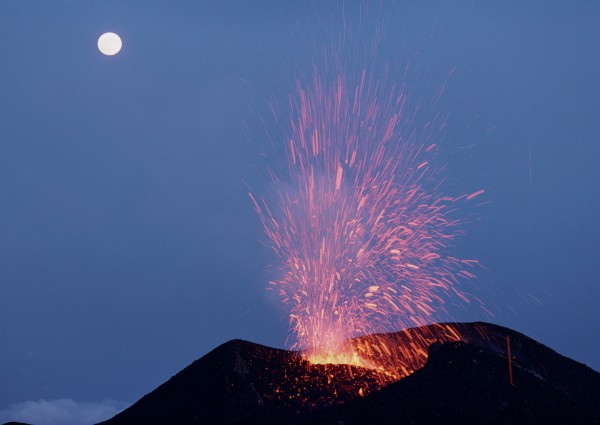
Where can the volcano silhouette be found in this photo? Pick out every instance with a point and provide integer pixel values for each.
(463, 381)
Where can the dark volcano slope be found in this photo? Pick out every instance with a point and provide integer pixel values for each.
(241, 382)
(465, 384)
(462, 382)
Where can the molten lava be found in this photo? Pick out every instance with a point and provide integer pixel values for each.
(359, 223)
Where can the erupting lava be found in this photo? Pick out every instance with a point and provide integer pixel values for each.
(358, 223)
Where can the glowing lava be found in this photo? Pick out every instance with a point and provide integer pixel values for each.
(358, 224)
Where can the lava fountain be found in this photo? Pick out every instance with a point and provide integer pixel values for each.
(359, 225)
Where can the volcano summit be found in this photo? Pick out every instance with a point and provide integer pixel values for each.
(465, 380)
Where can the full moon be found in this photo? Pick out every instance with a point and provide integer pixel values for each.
(109, 43)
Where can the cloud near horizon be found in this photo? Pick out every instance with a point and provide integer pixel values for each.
(61, 412)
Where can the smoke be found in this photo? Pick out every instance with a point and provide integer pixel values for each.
(61, 412)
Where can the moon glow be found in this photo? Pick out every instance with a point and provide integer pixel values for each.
(109, 44)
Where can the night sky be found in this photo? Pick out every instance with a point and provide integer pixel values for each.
(129, 246)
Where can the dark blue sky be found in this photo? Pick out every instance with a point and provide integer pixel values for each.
(128, 243)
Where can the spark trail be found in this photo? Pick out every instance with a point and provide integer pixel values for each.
(358, 224)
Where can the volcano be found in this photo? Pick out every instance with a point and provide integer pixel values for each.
(465, 379)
